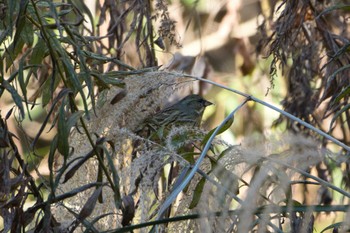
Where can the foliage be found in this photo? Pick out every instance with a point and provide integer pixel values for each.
(103, 176)
(310, 44)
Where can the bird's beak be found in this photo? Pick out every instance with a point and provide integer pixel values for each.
(207, 103)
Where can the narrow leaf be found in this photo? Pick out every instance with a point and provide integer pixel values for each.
(332, 8)
(116, 179)
(337, 114)
(15, 96)
(76, 166)
(51, 160)
(20, 21)
(90, 204)
(22, 82)
(62, 94)
(223, 129)
(345, 92)
(128, 210)
(38, 52)
(197, 193)
(63, 132)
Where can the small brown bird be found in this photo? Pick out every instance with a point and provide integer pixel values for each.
(186, 112)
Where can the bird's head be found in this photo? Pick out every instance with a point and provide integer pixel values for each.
(194, 102)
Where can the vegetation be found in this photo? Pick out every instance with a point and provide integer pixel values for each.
(79, 80)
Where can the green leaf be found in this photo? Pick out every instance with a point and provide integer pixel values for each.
(76, 165)
(97, 56)
(22, 82)
(51, 161)
(226, 126)
(39, 52)
(189, 156)
(12, 52)
(75, 82)
(62, 131)
(227, 150)
(197, 193)
(341, 51)
(64, 127)
(64, 12)
(334, 226)
(4, 35)
(28, 33)
(15, 96)
(330, 81)
(333, 8)
(48, 87)
(116, 179)
(10, 16)
(83, 9)
(73, 119)
(345, 92)
(110, 78)
(337, 114)
(21, 78)
(55, 101)
(84, 75)
(20, 22)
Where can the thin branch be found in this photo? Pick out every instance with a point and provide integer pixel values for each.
(272, 209)
(284, 113)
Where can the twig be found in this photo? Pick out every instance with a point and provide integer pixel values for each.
(290, 116)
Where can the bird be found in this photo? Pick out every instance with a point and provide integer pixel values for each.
(186, 112)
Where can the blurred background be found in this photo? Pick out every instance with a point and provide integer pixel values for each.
(292, 54)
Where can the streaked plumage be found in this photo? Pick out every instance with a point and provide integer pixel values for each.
(187, 111)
